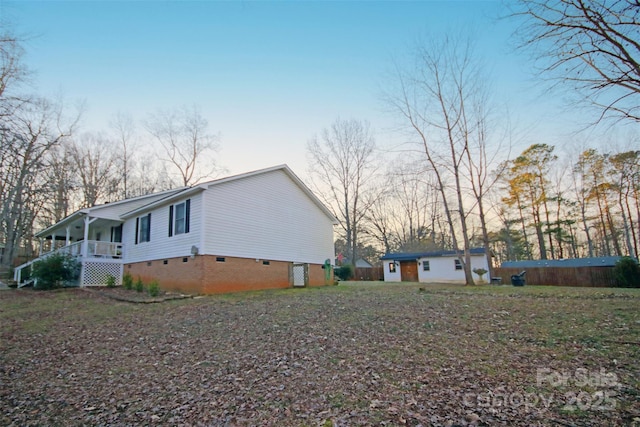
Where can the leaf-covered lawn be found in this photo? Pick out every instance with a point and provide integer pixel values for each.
(354, 354)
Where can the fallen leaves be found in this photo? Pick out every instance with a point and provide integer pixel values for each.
(340, 356)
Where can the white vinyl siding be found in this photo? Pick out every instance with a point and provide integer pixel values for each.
(161, 245)
(392, 271)
(443, 269)
(266, 216)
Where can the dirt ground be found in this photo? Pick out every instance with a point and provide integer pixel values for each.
(353, 354)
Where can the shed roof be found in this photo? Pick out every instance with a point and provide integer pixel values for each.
(606, 261)
(411, 256)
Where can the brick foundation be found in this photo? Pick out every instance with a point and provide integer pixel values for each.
(208, 274)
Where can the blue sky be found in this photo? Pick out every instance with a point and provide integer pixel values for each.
(268, 76)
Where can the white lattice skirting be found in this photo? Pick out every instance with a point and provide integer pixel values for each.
(96, 273)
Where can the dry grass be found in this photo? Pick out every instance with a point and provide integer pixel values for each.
(355, 354)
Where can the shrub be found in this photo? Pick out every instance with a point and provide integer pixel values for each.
(627, 273)
(55, 271)
(345, 272)
(127, 281)
(111, 281)
(154, 288)
(139, 286)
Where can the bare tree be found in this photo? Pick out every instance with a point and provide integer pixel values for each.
(124, 129)
(60, 185)
(13, 73)
(149, 177)
(183, 133)
(435, 99)
(409, 191)
(93, 159)
(28, 135)
(380, 221)
(480, 156)
(343, 165)
(592, 46)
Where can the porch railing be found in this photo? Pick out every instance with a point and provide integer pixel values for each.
(95, 249)
(74, 249)
(104, 249)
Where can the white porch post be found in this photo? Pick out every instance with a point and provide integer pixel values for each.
(85, 242)
(41, 240)
(68, 238)
(53, 243)
(85, 246)
(84, 249)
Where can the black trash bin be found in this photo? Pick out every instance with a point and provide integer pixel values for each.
(518, 279)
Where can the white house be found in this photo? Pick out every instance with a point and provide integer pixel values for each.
(426, 267)
(258, 230)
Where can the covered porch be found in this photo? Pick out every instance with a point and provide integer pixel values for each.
(96, 242)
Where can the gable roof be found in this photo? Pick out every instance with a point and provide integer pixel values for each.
(95, 210)
(414, 256)
(206, 185)
(127, 208)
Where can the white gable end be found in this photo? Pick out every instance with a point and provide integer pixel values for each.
(265, 216)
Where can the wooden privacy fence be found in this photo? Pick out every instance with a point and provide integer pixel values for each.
(595, 277)
(373, 273)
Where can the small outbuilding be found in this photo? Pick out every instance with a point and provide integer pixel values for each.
(430, 267)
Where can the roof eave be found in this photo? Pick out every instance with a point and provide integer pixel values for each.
(176, 195)
(67, 220)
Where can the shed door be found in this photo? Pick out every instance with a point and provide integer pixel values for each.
(409, 271)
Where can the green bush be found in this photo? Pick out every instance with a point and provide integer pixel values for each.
(127, 281)
(344, 272)
(55, 271)
(139, 286)
(627, 273)
(111, 281)
(154, 288)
